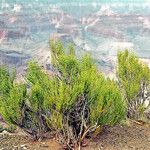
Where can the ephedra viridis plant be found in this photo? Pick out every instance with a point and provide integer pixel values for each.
(72, 102)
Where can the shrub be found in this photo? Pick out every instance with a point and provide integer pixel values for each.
(134, 78)
(74, 101)
(15, 104)
(89, 100)
(12, 96)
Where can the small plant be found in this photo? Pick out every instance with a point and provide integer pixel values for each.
(12, 97)
(16, 107)
(134, 79)
(11, 129)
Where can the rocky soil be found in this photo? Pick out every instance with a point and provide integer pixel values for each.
(130, 136)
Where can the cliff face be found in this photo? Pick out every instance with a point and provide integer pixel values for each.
(101, 27)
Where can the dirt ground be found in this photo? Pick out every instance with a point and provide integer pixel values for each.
(131, 136)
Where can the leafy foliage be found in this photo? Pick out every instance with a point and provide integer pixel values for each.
(74, 101)
(89, 100)
(12, 96)
(134, 77)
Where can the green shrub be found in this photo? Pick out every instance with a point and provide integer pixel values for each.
(12, 97)
(73, 101)
(86, 98)
(134, 78)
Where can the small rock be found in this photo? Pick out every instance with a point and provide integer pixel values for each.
(23, 147)
(40, 139)
(15, 146)
(101, 147)
(43, 143)
(5, 132)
